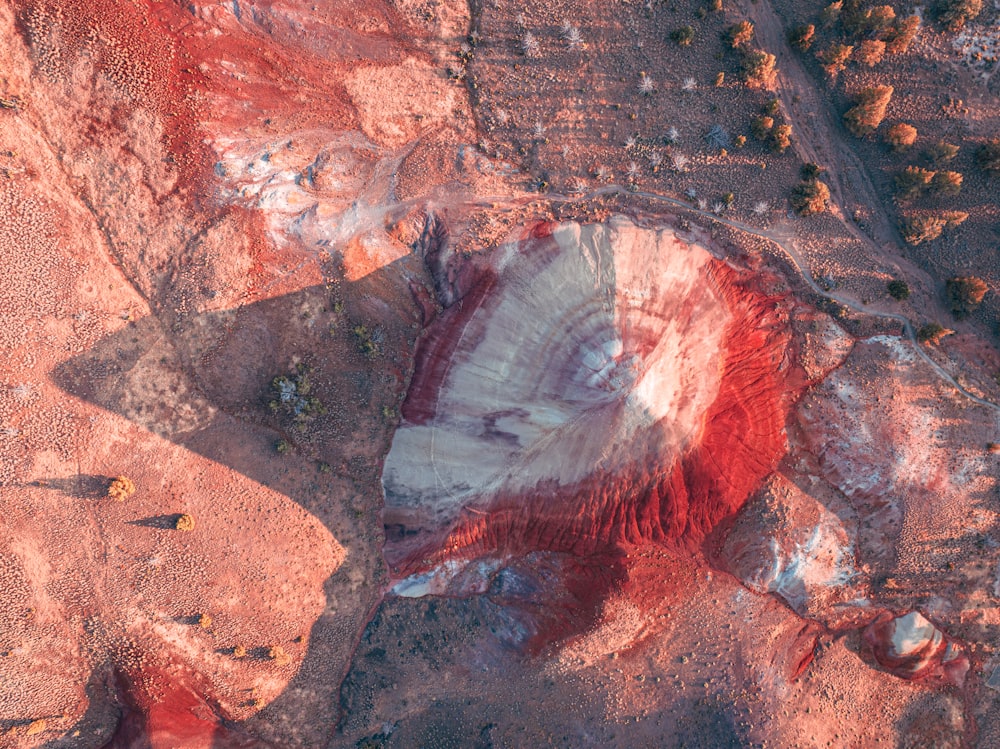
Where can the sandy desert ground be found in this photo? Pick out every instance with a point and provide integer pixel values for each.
(477, 384)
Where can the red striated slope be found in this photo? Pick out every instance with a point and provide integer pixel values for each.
(654, 478)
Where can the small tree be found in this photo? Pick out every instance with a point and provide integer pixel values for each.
(953, 218)
(899, 38)
(941, 152)
(964, 294)
(277, 654)
(870, 52)
(184, 523)
(683, 36)
(801, 36)
(901, 136)
(947, 183)
(919, 229)
(831, 13)
(810, 197)
(932, 333)
(781, 138)
(761, 127)
(869, 111)
(898, 290)
(758, 70)
(953, 14)
(121, 489)
(988, 157)
(912, 181)
(880, 21)
(835, 57)
(740, 34)
(810, 170)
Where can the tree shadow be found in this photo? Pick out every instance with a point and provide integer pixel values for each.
(160, 522)
(81, 486)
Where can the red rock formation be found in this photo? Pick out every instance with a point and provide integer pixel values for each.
(621, 468)
(911, 647)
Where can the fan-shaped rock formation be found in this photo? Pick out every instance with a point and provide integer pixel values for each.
(588, 388)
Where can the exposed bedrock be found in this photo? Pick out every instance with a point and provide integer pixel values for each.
(589, 388)
(910, 646)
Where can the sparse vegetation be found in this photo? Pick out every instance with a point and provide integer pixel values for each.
(283, 447)
(901, 136)
(293, 396)
(963, 294)
(898, 290)
(366, 341)
(529, 45)
(184, 522)
(869, 110)
(121, 489)
(810, 197)
(810, 170)
(831, 14)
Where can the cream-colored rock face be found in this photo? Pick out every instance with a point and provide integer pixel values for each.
(592, 350)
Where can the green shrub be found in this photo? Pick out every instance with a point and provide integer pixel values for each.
(810, 197)
(932, 332)
(683, 36)
(953, 14)
(898, 290)
(912, 181)
(988, 157)
(901, 136)
(740, 34)
(801, 37)
(941, 152)
(757, 69)
(121, 489)
(964, 294)
(869, 111)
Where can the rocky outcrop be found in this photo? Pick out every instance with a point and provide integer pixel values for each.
(590, 388)
(912, 647)
(787, 543)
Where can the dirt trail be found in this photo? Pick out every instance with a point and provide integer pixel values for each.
(816, 135)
